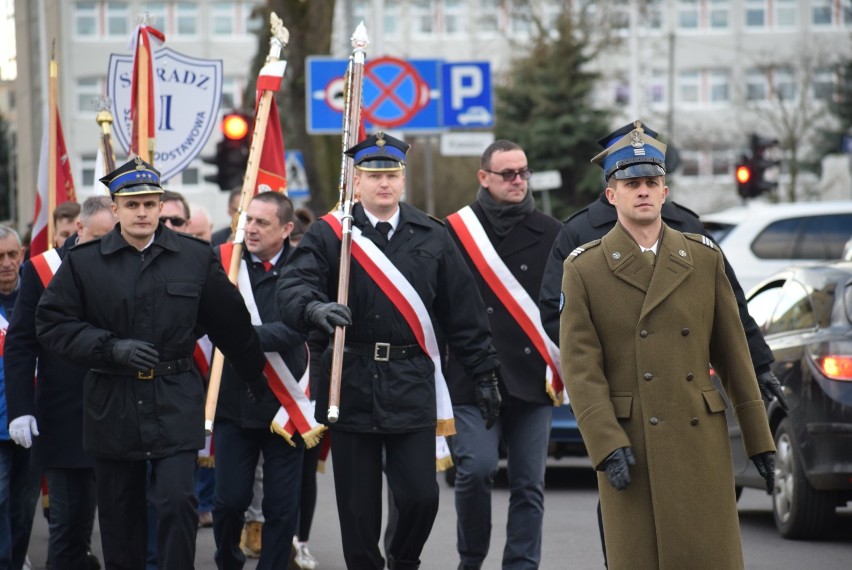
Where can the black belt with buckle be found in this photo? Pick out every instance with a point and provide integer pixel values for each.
(383, 351)
(161, 369)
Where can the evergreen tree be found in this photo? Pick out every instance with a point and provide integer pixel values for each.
(830, 140)
(545, 104)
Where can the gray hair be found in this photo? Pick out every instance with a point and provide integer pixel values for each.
(93, 205)
(6, 231)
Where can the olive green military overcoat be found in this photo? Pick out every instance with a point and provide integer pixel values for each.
(636, 341)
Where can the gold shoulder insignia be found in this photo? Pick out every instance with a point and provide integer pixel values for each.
(700, 238)
(585, 247)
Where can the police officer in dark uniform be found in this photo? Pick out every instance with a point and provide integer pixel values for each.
(594, 221)
(129, 307)
(388, 394)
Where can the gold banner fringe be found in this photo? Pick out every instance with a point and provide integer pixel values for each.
(311, 438)
(445, 427)
(554, 397)
(209, 461)
(321, 467)
(443, 463)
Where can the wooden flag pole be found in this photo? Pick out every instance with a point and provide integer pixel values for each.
(51, 148)
(279, 39)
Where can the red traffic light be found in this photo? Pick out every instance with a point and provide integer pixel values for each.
(235, 126)
(743, 174)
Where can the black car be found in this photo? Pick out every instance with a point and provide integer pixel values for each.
(805, 313)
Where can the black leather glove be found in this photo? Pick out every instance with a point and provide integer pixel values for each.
(136, 354)
(770, 388)
(765, 463)
(488, 397)
(256, 388)
(327, 316)
(617, 467)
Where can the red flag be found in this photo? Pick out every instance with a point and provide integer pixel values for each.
(272, 170)
(65, 191)
(142, 97)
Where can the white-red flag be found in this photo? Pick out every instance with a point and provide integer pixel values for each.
(142, 91)
(65, 191)
(272, 169)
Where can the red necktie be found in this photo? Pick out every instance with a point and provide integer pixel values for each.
(267, 265)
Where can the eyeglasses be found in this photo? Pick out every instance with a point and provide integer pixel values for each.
(176, 221)
(509, 175)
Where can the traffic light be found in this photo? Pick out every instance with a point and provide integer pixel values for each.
(743, 175)
(232, 151)
(751, 173)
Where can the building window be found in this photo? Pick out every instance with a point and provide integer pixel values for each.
(784, 84)
(652, 14)
(756, 85)
(690, 163)
(158, 16)
(393, 13)
(687, 14)
(688, 87)
(622, 94)
(823, 84)
(116, 18)
(455, 16)
(360, 13)
(186, 20)
(88, 89)
(719, 84)
(720, 163)
(488, 23)
(87, 172)
(189, 176)
(755, 13)
(423, 20)
(785, 13)
(520, 24)
(657, 88)
(231, 94)
(223, 19)
(86, 19)
(718, 14)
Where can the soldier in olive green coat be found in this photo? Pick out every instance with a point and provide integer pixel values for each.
(644, 311)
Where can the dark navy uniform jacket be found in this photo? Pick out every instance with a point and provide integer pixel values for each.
(170, 294)
(396, 396)
(56, 400)
(593, 222)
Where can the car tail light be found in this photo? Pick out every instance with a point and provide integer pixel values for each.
(836, 366)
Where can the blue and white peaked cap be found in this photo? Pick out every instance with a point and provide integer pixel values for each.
(379, 152)
(133, 177)
(632, 152)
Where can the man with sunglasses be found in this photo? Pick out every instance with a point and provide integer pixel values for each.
(175, 213)
(505, 241)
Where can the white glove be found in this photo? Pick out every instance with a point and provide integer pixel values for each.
(22, 429)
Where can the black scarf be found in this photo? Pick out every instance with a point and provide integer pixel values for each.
(503, 217)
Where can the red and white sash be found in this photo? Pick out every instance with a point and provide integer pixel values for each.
(296, 413)
(46, 265)
(511, 293)
(408, 302)
(4, 324)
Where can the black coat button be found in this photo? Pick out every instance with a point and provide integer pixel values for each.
(489, 310)
(643, 333)
(685, 332)
(694, 421)
(648, 376)
(524, 267)
(689, 377)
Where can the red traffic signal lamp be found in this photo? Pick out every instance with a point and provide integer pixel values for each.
(751, 172)
(232, 151)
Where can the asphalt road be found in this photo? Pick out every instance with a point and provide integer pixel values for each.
(570, 530)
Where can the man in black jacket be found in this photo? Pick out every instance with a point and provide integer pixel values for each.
(406, 277)
(53, 405)
(505, 241)
(130, 307)
(242, 424)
